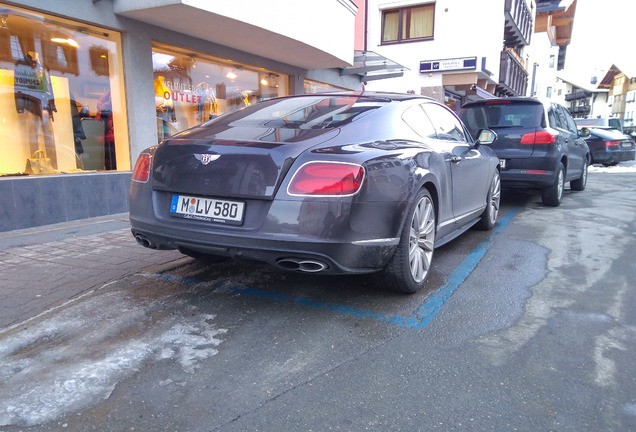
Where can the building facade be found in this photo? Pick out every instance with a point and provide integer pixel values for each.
(86, 85)
(554, 22)
(454, 51)
(586, 100)
(621, 85)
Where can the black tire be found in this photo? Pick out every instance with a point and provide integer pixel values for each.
(579, 183)
(552, 195)
(407, 270)
(493, 199)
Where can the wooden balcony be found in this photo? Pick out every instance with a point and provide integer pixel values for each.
(580, 109)
(518, 26)
(513, 78)
(578, 94)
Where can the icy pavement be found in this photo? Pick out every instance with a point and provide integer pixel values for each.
(623, 167)
(69, 361)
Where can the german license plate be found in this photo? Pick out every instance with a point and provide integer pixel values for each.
(502, 163)
(626, 144)
(207, 209)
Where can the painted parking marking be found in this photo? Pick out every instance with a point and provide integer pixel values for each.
(425, 313)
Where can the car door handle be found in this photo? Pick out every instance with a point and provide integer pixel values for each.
(455, 159)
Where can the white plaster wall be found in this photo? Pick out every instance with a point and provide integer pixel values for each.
(328, 25)
(463, 28)
(539, 52)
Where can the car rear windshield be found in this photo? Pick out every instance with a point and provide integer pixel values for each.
(304, 112)
(497, 115)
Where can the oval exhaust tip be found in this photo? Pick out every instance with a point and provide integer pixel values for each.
(144, 241)
(311, 266)
(288, 264)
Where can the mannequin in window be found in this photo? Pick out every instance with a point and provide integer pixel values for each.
(164, 107)
(77, 113)
(105, 113)
(34, 99)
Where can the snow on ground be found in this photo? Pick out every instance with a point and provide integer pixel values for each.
(71, 360)
(623, 167)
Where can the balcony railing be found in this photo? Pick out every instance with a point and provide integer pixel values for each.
(513, 78)
(518, 27)
(581, 109)
(578, 94)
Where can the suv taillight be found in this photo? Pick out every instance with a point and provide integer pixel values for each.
(541, 137)
(141, 173)
(327, 178)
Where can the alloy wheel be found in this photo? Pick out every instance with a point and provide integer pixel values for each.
(495, 199)
(422, 239)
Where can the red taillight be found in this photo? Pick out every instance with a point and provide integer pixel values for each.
(541, 137)
(141, 173)
(612, 143)
(497, 102)
(327, 178)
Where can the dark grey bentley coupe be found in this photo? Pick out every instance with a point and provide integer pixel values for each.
(325, 183)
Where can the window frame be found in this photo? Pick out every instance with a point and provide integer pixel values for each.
(401, 11)
(458, 125)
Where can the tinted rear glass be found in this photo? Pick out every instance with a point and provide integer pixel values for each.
(306, 112)
(504, 115)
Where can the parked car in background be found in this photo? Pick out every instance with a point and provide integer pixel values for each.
(328, 183)
(609, 146)
(537, 143)
(600, 122)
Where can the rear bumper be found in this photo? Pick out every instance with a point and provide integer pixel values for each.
(528, 173)
(606, 157)
(337, 257)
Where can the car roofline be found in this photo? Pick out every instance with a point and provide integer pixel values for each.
(388, 96)
(511, 99)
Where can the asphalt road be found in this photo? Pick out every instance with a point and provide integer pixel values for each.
(530, 327)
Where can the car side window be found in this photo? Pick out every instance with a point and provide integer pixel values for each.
(571, 126)
(448, 127)
(554, 118)
(417, 119)
(562, 117)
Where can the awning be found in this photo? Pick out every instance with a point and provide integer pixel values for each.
(483, 94)
(372, 66)
(226, 24)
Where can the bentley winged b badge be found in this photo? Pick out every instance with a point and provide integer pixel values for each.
(206, 158)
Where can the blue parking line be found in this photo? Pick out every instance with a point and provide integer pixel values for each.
(425, 313)
(434, 303)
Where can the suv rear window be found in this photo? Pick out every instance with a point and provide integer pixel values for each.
(495, 115)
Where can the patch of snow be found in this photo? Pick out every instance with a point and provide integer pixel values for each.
(73, 359)
(623, 167)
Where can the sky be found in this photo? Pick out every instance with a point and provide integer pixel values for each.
(604, 33)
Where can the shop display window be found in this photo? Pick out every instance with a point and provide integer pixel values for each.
(313, 87)
(191, 88)
(62, 98)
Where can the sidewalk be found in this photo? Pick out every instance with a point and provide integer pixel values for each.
(44, 267)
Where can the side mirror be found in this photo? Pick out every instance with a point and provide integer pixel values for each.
(584, 132)
(486, 137)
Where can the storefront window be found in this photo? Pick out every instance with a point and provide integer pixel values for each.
(453, 101)
(191, 88)
(313, 87)
(61, 96)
